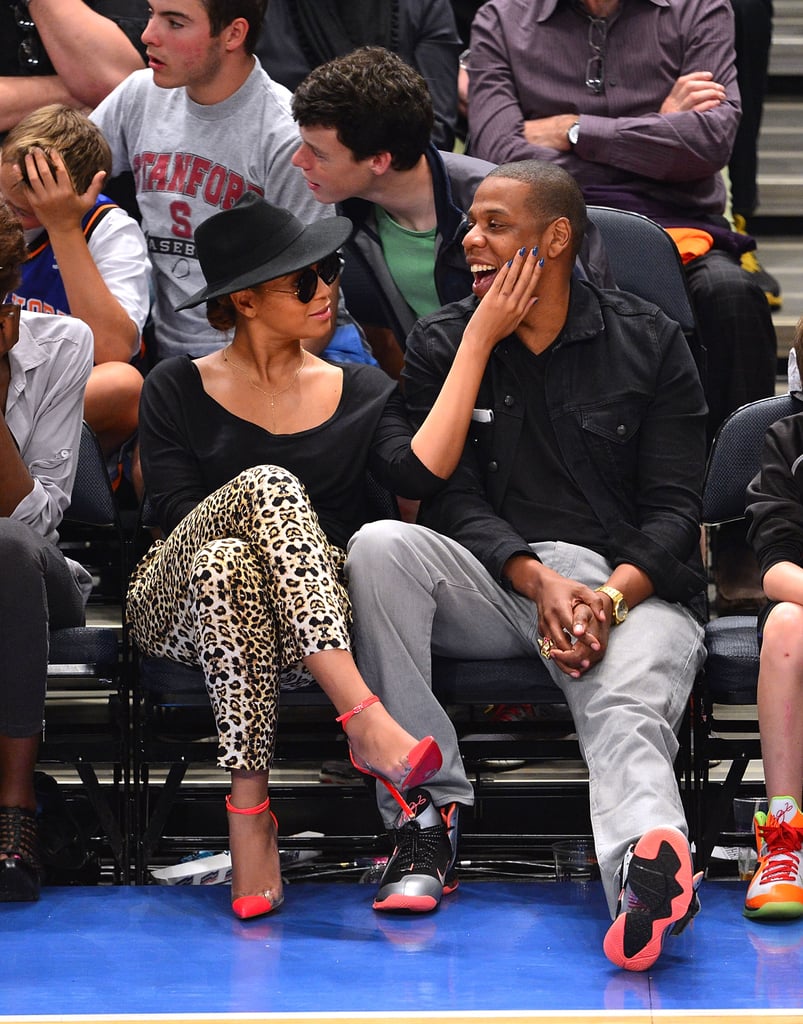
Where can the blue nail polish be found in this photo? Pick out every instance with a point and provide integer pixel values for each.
(510, 263)
(535, 251)
(522, 250)
(541, 262)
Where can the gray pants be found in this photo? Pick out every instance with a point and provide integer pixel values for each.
(415, 592)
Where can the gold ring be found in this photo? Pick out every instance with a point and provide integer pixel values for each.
(545, 646)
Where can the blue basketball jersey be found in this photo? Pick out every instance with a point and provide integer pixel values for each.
(42, 290)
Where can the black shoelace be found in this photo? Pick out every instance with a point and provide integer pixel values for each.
(419, 846)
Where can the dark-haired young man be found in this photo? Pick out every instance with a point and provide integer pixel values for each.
(570, 531)
(365, 121)
(200, 127)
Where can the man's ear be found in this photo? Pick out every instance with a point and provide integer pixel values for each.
(380, 162)
(234, 34)
(557, 237)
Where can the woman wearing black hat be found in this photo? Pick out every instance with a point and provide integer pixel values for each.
(255, 459)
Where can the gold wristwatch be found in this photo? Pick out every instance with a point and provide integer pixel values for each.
(620, 608)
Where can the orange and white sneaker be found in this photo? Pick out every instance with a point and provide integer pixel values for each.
(776, 889)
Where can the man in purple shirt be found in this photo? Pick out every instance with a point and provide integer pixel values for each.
(638, 100)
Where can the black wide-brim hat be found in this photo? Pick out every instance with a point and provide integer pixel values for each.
(255, 241)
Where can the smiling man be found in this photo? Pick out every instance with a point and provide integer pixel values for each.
(365, 121)
(200, 127)
(569, 531)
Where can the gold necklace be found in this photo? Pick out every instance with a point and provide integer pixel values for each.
(272, 395)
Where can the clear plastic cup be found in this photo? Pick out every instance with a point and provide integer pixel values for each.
(575, 860)
(744, 810)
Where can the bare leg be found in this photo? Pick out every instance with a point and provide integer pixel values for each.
(780, 701)
(111, 403)
(17, 762)
(373, 734)
(253, 840)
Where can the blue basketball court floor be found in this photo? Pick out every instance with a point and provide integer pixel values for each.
(495, 951)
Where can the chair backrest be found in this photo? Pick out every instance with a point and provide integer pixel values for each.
(645, 261)
(92, 498)
(735, 456)
(382, 503)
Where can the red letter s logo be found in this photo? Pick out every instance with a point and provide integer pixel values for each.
(180, 212)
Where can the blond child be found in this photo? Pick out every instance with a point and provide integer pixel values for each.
(86, 256)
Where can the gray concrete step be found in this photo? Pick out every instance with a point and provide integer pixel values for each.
(780, 170)
(782, 256)
(780, 164)
(786, 56)
(780, 173)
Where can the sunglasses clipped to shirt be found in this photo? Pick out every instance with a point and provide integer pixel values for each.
(326, 269)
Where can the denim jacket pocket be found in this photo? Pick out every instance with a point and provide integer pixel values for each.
(615, 422)
(610, 432)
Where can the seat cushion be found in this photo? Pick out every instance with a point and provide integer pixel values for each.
(84, 645)
(169, 682)
(503, 681)
(731, 668)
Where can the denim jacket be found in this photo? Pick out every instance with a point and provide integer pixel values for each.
(628, 412)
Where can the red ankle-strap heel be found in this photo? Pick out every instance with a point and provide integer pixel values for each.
(423, 761)
(264, 902)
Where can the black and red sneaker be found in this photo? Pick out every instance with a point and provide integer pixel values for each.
(658, 898)
(422, 866)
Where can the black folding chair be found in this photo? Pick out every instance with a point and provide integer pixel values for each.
(86, 712)
(646, 262)
(730, 676)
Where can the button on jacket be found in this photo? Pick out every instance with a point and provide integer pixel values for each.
(628, 412)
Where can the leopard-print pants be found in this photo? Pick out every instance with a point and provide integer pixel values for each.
(245, 587)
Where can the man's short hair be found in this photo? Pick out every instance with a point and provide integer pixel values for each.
(375, 102)
(553, 193)
(223, 12)
(81, 143)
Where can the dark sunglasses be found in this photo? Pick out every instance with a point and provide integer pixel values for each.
(327, 269)
(595, 67)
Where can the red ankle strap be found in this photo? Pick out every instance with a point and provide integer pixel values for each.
(247, 810)
(346, 717)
